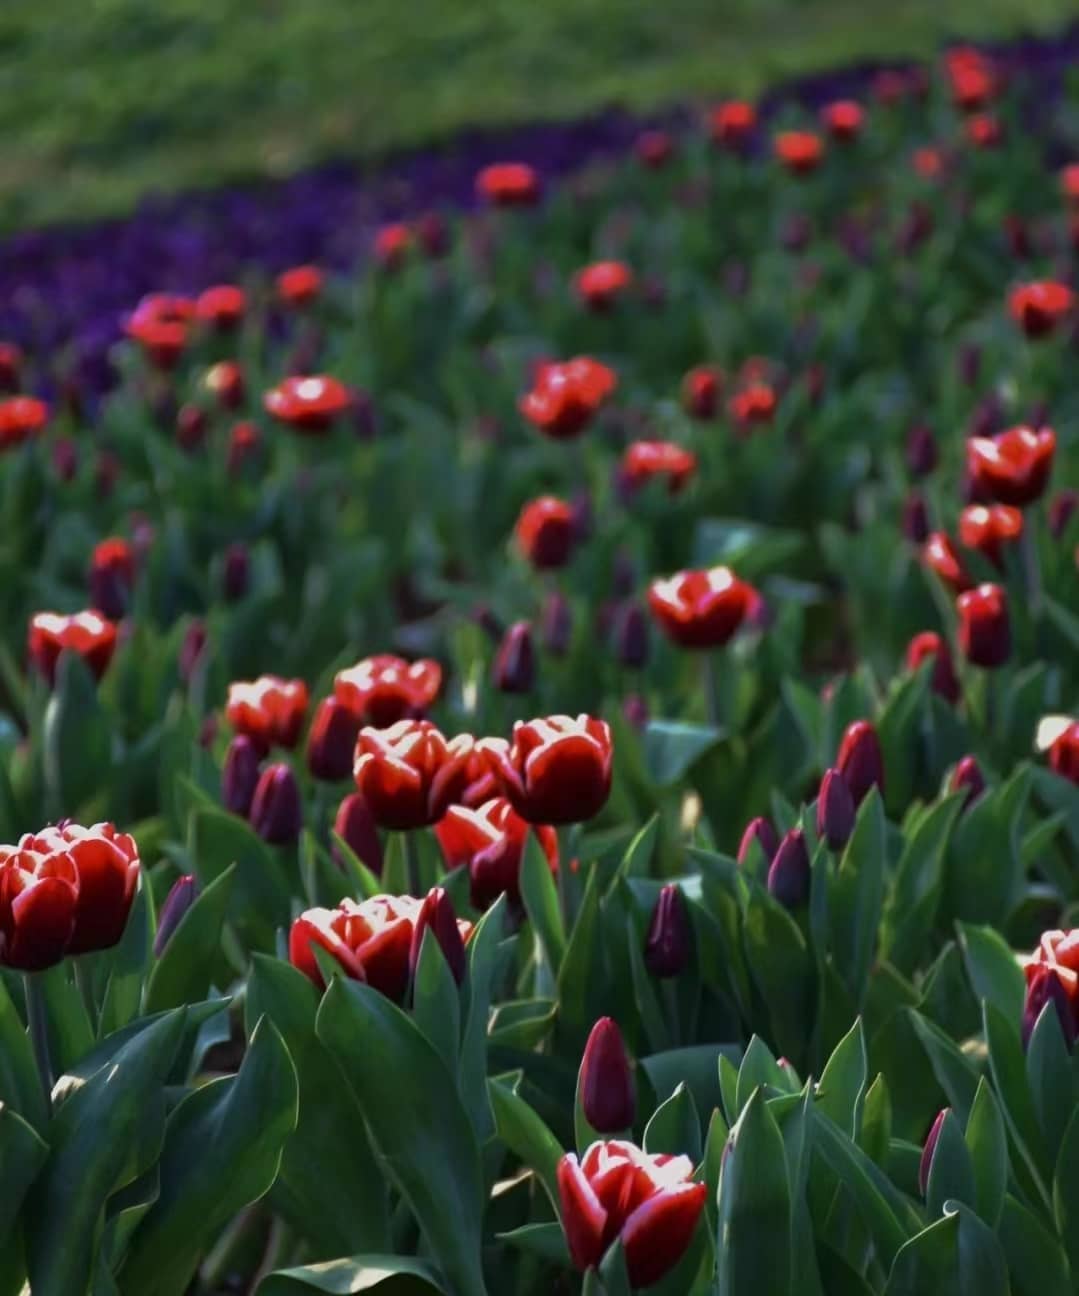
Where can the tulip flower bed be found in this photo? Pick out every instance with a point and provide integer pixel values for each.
(552, 764)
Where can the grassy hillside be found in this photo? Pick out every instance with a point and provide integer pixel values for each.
(101, 101)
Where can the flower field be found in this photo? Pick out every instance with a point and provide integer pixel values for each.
(548, 761)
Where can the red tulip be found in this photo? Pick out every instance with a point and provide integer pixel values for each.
(182, 895)
(244, 442)
(159, 324)
(915, 519)
(566, 397)
(106, 864)
(22, 418)
(967, 776)
(240, 773)
(1069, 182)
(1012, 467)
(860, 759)
(299, 286)
(112, 577)
(984, 131)
(943, 680)
(11, 363)
(276, 812)
(191, 427)
(758, 830)
(356, 827)
(753, 404)
(789, 871)
(383, 689)
(601, 285)
(799, 151)
(269, 710)
(605, 1081)
(984, 626)
(409, 774)
(733, 123)
(1038, 308)
(87, 634)
(545, 532)
(647, 1201)
(331, 744)
(843, 120)
(223, 307)
(930, 1146)
(508, 184)
(514, 666)
(556, 770)
(371, 941)
(972, 77)
(39, 893)
(392, 245)
(1050, 985)
(701, 609)
(438, 914)
(308, 405)
(835, 810)
(1064, 753)
(989, 529)
(940, 557)
(928, 163)
(225, 382)
(667, 945)
(653, 148)
(432, 234)
(489, 842)
(646, 461)
(701, 390)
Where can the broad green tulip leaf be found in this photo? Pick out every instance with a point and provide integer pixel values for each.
(374, 1274)
(525, 1134)
(753, 1243)
(184, 972)
(987, 1143)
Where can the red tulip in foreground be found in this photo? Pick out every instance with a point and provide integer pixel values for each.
(545, 532)
(701, 609)
(566, 397)
(928, 1148)
(159, 325)
(929, 645)
(370, 940)
(984, 626)
(1038, 308)
(409, 774)
(1014, 466)
(508, 184)
(646, 461)
(605, 1080)
(383, 689)
(648, 1202)
(556, 770)
(1052, 976)
(1064, 753)
(308, 404)
(269, 710)
(667, 945)
(438, 915)
(843, 120)
(88, 635)
(490, 842)
(860, 759)
(940, 557)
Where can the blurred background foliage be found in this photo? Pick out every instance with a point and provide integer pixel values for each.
(102, 101)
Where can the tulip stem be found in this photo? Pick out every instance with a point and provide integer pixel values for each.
(711, 687)
(37, 1018)
(412, 864)
(84, 985)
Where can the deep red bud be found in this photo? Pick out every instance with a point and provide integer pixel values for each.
(355, 825)
(835, 810)
(331, 744)
(861, 759)
(185, 891)
(915, 518)
(235, 573)
(605, 1081)
(967, 774)
(921, 451)
(667, 947)
(929, 1147)
(788, 874)
(191, 649)
(556, 624)
(631, 636)
(276, 813)
(514, 669)
(761, 831)
(191, 425)
(438, 913)
(240, 774)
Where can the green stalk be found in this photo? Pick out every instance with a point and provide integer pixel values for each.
(38, 1022)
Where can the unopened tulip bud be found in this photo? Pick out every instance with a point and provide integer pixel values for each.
(331, 744)
(235, 573)
(438, 913)
(984, 626)
(758, 830)
(191, 423)
(514, 669)
(921, 451)
(929, 1147)
(788, 874)
(835, 810)
(185, 891)
(631, 636)
(967, 774)
(356, 827)
(915, 518)
(191, 649)
(605, 1081)
(666, 949)
(240, 775)
(556, 624)
(861, 759)
(276, 813)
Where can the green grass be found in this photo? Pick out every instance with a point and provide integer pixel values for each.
(101, 100)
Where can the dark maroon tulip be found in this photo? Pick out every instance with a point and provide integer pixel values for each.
(967, 774)
(928, 1148)
(1045, 986)
(355, 825)
(191, 424)
(331, 744)
(514, 669)
(276, 813)
(758, 830)
(835, 810)
(921, 451)
(556, 624)
(666, 949)
(788, 874)
(605, 1082)
(915, 521)
(65, 458)
(483, 615)
(240, 774)
(1062, 509)
(984, 626)
(861, 760)
(191, 649)
(635, 710)
(235, 574)
(631, 636)
(438, 913)
(185, 891)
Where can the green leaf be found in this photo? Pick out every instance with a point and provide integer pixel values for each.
(1049, 1074)
(96, 1140)
(714, 1144)
(127, 965)
(842, 1083)
(482, 959)
(1037, 1264)
(77, 752)
(540, 896)
(876, 1132)
(261, 899)
(416, 1121)
(581, 970)
(783, 970)
(526, 1135)
(951, 1174)
(919, 878)
(184, 972)
(856, 896)
(22, 1154)
(993, 969)
(545, 1241)
(71, 1036)
(728, 1087)
(1066, 1187)
(330, 1186)
(436, 1008)
(753, 1250)
(759, 1068)
(1008, 1067)
(675, 1127)
(671, 747)
(638, 857)
(696, 1066)
(379, 1275)
(955, 1074)
(20, 1085)
(987, 1143)
(222, 1151)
